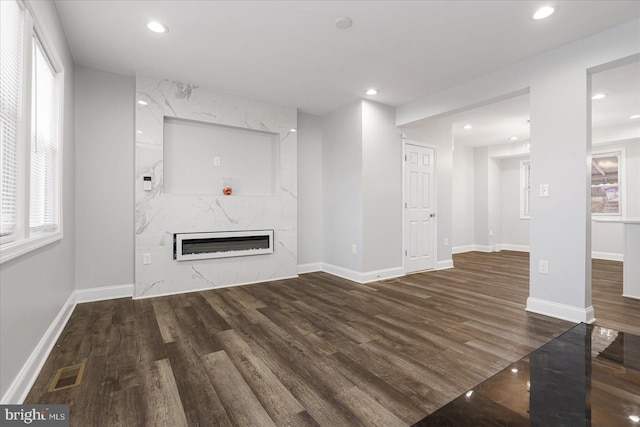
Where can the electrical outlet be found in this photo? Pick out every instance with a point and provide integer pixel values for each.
(543, 266)
(146, 258)
(216, 161)
(354, 249)
(446, 242)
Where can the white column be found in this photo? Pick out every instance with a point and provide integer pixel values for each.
(560, 223)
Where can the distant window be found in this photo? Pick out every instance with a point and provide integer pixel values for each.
(606, 183)
(525, 189)
(30, 127)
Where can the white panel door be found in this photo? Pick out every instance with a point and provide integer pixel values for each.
(419, 213)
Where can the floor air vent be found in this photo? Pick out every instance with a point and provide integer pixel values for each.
(67, 377)
(190, 246)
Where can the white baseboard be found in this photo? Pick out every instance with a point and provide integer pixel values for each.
(471, 248)
(345, 273)
(561, 311)
(388, 273)
(606, 255)
(104, 293)
(309, 268)
(510, 247)
(444, 265)
(358, 277)
(23, 382)
(610, 256)
(462, 249)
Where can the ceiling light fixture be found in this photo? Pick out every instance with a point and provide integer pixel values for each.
(543, 12)
(513, 138)
(343, 23)
(157, 27)
(467, 127)
(635, 116)
(141, 102)
(293, 130)
(372, 91)
(469, 393)
(599, 96)
(138, 131)
(634, 418)
(514, 370)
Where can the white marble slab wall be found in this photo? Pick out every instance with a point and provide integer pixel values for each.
(160, 215)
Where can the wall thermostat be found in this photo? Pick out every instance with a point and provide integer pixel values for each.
(146, 183)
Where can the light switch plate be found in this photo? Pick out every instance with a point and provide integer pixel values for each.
(544, 190)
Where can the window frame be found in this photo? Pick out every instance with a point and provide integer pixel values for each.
(525, 189)
(621, 152)
(24, 240)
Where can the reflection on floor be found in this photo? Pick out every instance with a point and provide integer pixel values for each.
(587, 376)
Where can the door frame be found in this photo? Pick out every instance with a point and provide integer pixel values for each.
(406, 142)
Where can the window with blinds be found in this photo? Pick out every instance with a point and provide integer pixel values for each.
(30, 127)
(11, 118)
(45, 117)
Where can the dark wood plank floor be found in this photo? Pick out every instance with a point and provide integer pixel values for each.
(317, 350)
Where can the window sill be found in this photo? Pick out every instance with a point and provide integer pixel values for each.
(12, 250)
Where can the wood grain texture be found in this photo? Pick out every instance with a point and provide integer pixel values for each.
(313, 351)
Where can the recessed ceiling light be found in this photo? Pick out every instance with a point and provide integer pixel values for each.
(469, 393)
(635, 116)
(138, 131)
(543, 12)
(514, 370)
(141, 102)
(293, 130)
(372, 91)
(343, 23)
(467, 127)
(157, 27)
(513, 138)
(634, 418)
(599, 96)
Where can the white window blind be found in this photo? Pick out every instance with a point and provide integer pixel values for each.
(11, 117)
(45, 115)
(31, 79)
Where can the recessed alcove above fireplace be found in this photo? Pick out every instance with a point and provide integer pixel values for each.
(199, 155)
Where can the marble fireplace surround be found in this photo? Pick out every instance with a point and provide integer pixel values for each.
(160, 215)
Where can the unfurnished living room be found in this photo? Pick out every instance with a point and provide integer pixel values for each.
(320, 213)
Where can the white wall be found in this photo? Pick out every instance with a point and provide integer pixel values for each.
(515, 231)
(104, 168)
(382, 182)
(310, 221)
(494, 175)
(481, 202)
(342, 187)
(463, 198)
(35, 287)
(559, 93)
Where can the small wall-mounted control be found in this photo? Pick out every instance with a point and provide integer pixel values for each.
(146, 183)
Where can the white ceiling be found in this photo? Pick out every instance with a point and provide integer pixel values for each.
(290, 53)
(495, 123)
